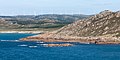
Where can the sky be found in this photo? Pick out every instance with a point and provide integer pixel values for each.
(37, 7)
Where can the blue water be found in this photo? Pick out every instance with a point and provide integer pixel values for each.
(11, 49)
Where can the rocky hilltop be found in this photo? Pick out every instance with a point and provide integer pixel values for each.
(104, 23)
(101, 28)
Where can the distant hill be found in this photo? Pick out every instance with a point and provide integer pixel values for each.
(37, 21)
(60, 18)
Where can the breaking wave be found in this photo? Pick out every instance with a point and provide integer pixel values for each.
(9, 40)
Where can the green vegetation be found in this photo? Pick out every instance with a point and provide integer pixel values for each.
(49, 26)
(42, 22)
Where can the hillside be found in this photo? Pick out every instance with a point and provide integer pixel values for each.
(39, 21)
(103, 27)
(104, 23)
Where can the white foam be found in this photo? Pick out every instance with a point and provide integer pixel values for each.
(39, 42)
(23, 45)
(32, 46)
(44, 44)
(10, 40)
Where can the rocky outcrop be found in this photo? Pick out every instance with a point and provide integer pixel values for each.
(57, 45)
(104, 23)
(3, 22)
(100, 29)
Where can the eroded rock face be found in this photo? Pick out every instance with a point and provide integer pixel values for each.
(118, 14)
(106, 22)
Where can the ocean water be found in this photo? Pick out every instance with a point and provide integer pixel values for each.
(13, 49)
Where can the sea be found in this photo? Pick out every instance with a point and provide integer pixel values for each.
(11, 48)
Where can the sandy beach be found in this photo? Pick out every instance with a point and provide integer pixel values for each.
(33, 32)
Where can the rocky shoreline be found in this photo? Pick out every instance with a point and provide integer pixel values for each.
(57, 45)
(82, 40)
(85, 40)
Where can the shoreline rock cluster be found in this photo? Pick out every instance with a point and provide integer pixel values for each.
(57, 45)
(86, 40)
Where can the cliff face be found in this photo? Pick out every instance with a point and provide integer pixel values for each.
(106, 23)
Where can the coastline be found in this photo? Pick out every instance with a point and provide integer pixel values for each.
(85, 40)
(32, 32)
